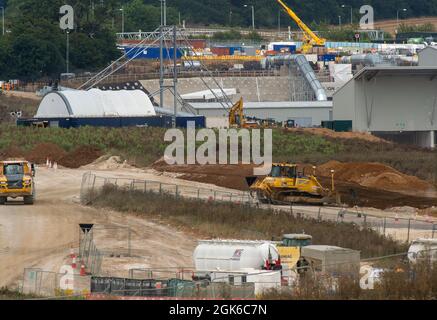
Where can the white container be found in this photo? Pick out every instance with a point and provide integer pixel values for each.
(233, 255)
(262, 279)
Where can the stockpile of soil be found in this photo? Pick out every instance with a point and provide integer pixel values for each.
(375, 175)
(338, 135)
(11, 152)
(228, 176)
(79, 157)
(352, 193)
(42, 151)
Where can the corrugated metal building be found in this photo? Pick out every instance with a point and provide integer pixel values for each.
(304, 113)
(392, 102)
(428, 57)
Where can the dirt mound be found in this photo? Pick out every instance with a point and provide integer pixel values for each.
(338, 135)
(352, 192)
(107, 162)
(79, 157)
(42, 151)
(375, 175)
(228, 176)
(12, 152)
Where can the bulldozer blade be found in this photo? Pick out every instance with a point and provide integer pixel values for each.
(251, 180)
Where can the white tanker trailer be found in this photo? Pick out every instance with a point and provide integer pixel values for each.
(235, 255)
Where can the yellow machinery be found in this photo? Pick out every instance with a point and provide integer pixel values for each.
(290, 250)
(287, 184)
(237, 118)
(310, 39)
(16, 180)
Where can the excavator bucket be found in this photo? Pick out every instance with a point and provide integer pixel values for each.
(251, 180)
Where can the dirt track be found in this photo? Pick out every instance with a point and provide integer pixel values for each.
(42, 235)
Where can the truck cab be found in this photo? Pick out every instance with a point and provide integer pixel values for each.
(16, 180)
(290, 249)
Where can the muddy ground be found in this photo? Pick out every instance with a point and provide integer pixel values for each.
(233, 176)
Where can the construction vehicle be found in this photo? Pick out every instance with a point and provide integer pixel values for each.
(310, 39)
(237, 119)
(17, 180)
(290, 251)
(288, 183)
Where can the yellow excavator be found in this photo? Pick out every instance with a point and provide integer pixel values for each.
(310, 39)
(288, 183)
(237, 119)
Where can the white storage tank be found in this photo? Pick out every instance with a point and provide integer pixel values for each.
(233, 255)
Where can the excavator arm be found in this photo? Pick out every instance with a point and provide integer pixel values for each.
(236, 115)
(309, 34)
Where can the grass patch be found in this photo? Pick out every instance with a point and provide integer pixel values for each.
(227, 220)
(406, 282)
(143, 146)
(8, 294)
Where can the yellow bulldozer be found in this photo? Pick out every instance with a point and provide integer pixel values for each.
(288, 183)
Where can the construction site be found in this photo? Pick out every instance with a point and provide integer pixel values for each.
(91, 208)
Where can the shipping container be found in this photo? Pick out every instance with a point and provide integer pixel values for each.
(284, 47)
(235, 50)
(343, 125)
(326, 57)
(250, 51)
(338, 125)
(152, 53)
(221, 51)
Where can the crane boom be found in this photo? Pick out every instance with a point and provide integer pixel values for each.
(307, 31)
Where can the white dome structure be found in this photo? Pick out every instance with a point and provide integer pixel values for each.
(95, 103)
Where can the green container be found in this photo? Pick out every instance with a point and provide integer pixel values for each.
(328, 125)
(342, 125)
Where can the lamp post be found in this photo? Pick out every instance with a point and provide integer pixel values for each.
(397, 15)
(122, 19)
(3, 20)
(339, 21)
(352, 14)
(279, 22)
(163, 12)
(67, 54)
(253, 15)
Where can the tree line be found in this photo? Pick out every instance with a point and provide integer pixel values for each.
(34, 46)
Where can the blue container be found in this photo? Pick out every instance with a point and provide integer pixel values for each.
(116, 122)
(233, 49)
(326, 57)
(279, 47)
(152, 53)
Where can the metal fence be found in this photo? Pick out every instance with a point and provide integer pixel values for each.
(89, 254)
(386, 223)
(170, 288)
(49, 284)
(92, 184)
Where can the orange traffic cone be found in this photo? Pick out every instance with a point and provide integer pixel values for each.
(82, 270)
(74, 264)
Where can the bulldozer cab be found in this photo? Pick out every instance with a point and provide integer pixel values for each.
(296, 240)
(279, 171)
